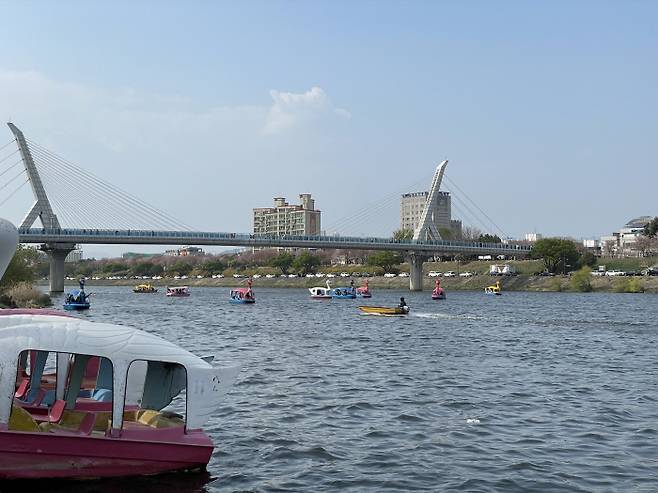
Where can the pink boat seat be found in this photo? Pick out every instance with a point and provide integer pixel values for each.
(21, 391)
(57, 411)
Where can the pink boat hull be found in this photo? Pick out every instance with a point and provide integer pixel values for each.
(26, 455)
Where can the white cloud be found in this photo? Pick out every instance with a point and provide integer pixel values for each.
(291, 109)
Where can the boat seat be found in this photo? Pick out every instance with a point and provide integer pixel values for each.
(56, 411)
(157, 419)
(21, 420)
(21, 391)
(73, 422)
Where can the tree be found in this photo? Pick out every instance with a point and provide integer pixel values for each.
(645, 245)
(386, 260)
(446, 233)
(214, 266)
(180, 267)
(21, 267)
(403, 234)
(306, 263)
(651, 228)
(556, 253)
(582, 280)
(469, 233)
(487, 238)
(283, 261)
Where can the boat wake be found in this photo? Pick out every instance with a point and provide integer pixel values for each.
(462, 316)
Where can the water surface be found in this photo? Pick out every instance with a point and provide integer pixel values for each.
(522, 392)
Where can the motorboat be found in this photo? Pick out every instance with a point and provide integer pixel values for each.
(320, 292)
(243, 295)
(155, 399)
(494, 289)
(438, 293)
(145, 288)
(364, 291)
(385, 310)
(177, 291)
(77, 299)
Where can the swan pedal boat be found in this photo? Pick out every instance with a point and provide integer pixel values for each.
(385, 310)
(124, 425)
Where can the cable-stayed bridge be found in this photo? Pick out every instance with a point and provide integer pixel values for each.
(120, 218)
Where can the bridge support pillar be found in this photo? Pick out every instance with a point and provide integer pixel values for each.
(416, 272)
(57, 252)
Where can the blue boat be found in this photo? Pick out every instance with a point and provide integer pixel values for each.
(344, 293)
(77, 299)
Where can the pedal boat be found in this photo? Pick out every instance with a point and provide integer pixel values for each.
(242, 296)
(494, 290)
(177, 291)
(344, 293)
(385, 310)
(320, 292)
(145, 288)
(438, 293)
(364, 291)
(157, 398)
(77, 299)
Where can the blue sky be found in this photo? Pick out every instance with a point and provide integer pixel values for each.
(547, 111)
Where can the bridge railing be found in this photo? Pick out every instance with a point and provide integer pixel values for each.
(63, 233)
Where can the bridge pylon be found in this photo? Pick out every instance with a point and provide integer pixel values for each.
(42, 209)
(426, 229)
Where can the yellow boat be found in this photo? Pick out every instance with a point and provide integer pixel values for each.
(385, 310)
(145, 288)
(495, 289)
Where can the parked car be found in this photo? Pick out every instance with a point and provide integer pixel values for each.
(615, 273)
(403, 274)
(270, 276)
(466, 274)
(434, 273)
(650, 272)
(319, 274)
(331, 274)
(257, 276)
(344, 274)
(389, 274)
(450, 274)
(291, 276)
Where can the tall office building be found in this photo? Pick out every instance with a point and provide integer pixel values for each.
(287, 219)
(412, 205)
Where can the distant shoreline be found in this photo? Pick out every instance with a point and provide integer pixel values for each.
(476, 283)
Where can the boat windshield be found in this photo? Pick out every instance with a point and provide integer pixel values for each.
(68, 392)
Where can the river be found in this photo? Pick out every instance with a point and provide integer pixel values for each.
(522, 392)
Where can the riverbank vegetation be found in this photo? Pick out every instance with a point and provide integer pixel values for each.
(16, 285)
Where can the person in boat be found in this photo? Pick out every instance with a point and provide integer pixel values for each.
(403, 304)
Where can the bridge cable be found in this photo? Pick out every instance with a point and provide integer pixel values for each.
(12, 166)
(15, 191)
(12, 180)
(149, 216)
(452, 182)
(369, 211)
(8, 144)
(63, 188)
(113, 194)
(8, 156)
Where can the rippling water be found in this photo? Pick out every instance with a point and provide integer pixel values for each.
(523, 392)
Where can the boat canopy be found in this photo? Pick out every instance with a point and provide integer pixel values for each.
(22, 330)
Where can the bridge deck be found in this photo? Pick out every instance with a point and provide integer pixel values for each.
(145, 237)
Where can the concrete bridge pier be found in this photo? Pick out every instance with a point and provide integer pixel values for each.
(57, 252)
(416, 272)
